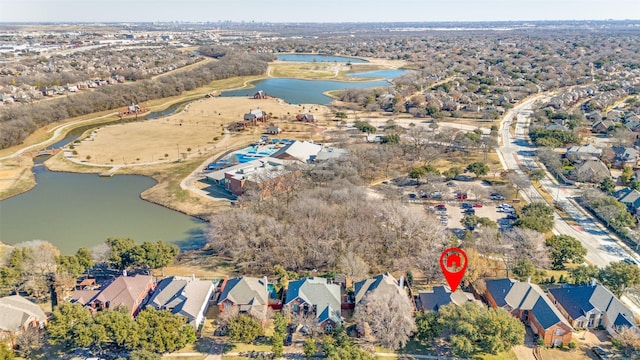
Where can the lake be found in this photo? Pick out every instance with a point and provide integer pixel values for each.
(296, 91)
(318, 58)
(75, 210)
(386, 74)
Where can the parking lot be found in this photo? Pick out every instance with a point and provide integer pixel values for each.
(458, 198)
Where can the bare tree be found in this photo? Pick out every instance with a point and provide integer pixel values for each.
(527, 243)
(39, 264)
(353, 266)
(29, 341)
(629, 339)
(390, 317)
(101, 253)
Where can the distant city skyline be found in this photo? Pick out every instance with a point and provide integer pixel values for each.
(314, 11)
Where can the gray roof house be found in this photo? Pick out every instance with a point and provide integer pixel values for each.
(594, 171)
(185, 296)
(377, 284)
(529, 303)
(583, 152)
(629, 197)
(17, 314)
(249, 294)
(625, 156)
(590, 306)
(440, 296)
(315, 296)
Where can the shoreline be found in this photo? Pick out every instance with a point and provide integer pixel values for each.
(58, 131)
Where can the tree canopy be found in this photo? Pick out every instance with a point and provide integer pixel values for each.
(565, 248)
(618, 276)
(537, 216)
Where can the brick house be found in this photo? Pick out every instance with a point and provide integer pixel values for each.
(529, 303)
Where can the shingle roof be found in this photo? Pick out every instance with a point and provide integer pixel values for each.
(244, 291)
(16, 311)
(499, 289)
(526, 296)
(576, 299)
(440, 296)
(184, 296)
(383, 283)
(316, 291)
(124, 291)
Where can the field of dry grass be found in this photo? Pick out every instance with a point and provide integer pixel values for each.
(199, 129)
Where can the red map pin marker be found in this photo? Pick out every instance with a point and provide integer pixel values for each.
(453, 263)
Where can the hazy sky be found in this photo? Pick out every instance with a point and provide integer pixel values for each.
(314, 10)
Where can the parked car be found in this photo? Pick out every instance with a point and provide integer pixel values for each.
(495, 196)
(413, 196)
(599, 352)
(436, 195)
(630, 261)
(451, 183)
(466, 205)
(288, 340)
(461, 196)
(469, 211)
(477, 205)
(441, 207)
(512, 216)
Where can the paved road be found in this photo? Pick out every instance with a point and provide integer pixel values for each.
(517, 153)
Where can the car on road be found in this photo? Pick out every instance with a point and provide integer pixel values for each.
(630, 261)
(599, 352)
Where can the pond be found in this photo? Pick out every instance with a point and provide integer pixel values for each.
(296, 91)
(76, 210)
(385, 74)
(318, 58)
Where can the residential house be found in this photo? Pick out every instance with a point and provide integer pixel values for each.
(594, 171)
(315, 297)
(18, 314)
(376, 285)
(306, 117)
(273, 130)
(624, 156)
(186, 296)
(594, 116)
(528, 303)
(131, 292)
(591, 306)
(441, 295)
(583, 152)
(255, 115)
(303, 151)
(602, 126)
(555, 126)
(248, 295)
(629, 197)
